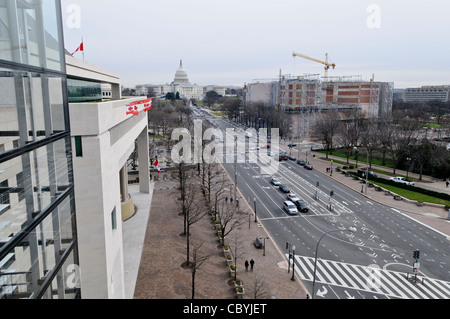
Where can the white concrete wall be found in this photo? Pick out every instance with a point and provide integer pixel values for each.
(97, 192)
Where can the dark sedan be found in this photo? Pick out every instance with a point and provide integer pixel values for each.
(285, 189)
(302, 207)
(309, 167)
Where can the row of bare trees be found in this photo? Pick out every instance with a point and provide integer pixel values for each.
(403, 142)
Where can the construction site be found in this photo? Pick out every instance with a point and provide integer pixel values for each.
(306, 97)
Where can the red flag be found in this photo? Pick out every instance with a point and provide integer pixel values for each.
(148, 105)
(156, 164)
(80, 48)
(133, 108)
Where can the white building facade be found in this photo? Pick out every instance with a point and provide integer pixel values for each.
(103, 138)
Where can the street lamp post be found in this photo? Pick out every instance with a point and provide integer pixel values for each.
(351, 229)
(293, 263)
(356, 156)
(254, 202)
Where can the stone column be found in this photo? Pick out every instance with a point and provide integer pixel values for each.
(144, 162)
(124, 183)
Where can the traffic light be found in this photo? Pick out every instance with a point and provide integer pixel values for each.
(416, 254)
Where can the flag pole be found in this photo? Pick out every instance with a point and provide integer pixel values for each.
(82, 42)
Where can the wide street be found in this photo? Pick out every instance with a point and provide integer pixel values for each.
(373, 262)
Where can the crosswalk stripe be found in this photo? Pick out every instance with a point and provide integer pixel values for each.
(363, 275)
(441, 290)
(325, 273)
(304, 269)
(381, 281)
(335, 274)
(352, 283)
(390, 281)
(318, 275)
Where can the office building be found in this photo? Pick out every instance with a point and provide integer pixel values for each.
(427, 93)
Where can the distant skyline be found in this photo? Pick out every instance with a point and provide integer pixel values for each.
(236, 42)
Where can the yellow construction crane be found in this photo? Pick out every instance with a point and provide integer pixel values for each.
(326, 63)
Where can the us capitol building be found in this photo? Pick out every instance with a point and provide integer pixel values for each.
(181, 85)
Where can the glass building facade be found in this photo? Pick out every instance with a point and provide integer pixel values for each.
(38, 239)
(80, 91)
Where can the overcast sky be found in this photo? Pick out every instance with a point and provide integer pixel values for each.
(235, 42)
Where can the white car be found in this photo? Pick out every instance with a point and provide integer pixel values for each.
(402, 180)
(290, 208)
(293, 198)
(275, 182)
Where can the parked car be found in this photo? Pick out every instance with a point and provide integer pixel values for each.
(309, 167)
(285, 189)
(301, 206)
(284, 157)
(362, 172)
(290, 208)
(402, 180)
(292, 197)
(292, 145)
(301, 162)
(292, 158)
(275, 182)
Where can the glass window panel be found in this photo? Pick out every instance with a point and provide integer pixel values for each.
(35, 180)
(29, 33)
(23, 269)
(83, 91)
(66, 285)
(31, 108)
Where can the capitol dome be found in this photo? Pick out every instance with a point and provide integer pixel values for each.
(181, 76)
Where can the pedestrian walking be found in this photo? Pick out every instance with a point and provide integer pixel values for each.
(246, 265)
(447, 183)
(252, 263)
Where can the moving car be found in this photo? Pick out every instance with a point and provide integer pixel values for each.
(285, 189)
(402, 180)
(301, 206)
(290, 208)
(275, 182)
(292, 197)
(292, 158)
(283, 157)
(362, 172)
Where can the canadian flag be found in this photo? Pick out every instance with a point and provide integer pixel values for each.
(80, 48)
(156, 164)
(135, 107)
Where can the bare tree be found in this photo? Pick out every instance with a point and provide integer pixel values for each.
(404, 137)
(257, 289)
(327, 127)
(384, 132)
(197, 262)
(193, 208)
(237, 253)
(229, 218)
(369, 139)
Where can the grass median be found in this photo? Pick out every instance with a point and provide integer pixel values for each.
(413, 195)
